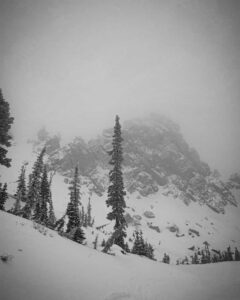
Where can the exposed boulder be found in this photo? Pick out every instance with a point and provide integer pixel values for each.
(149, 214)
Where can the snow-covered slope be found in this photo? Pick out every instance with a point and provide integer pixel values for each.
(172, 196)
(173, 227)
(167, 223)
(44, 265)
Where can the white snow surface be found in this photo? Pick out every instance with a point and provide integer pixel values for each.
(45, 265)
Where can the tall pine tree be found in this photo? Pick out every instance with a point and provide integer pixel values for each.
(34, 190)
(5, 125)
(116, 191)
(21, 194)
(73, 206)
(41, 208)
(21, 187)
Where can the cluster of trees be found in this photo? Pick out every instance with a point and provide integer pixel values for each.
(141, 247)
(166, 259)
(205, 256)
(76, 218)
(86, 218)
(34, 201)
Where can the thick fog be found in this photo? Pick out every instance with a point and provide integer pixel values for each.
(73, 65)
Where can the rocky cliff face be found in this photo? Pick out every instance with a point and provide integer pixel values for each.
(156, 156)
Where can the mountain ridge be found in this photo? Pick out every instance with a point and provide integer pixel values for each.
(155, 155)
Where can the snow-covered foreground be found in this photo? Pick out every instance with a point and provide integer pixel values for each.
(47, 266)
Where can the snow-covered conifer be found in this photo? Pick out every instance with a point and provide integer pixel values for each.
(5, 124)
(33, 196)
(138, 246)
(116, 191)
(89, 213)
(237, 254)
(21, 192)
(73, 206)
(41, 211)
(3, 195)
(79, 236)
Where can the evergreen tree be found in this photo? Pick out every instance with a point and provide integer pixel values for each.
(138, 245)
(51, 217)
(89, 214)
(21, 194)
(149, 250)
(207, 255)
(116, 191)
(79, 236)
(229, 254)
(5, 124)
(21, 187)
(3, 195)
(166, 259)
(33, 197)
(203, 258)
(73, 206)
(95, 243)
(195, 258)
(41, 208)
(237, 254)
(59, 224)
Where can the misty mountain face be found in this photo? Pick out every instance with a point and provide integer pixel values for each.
(156, 156)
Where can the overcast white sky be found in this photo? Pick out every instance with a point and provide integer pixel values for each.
(73, 65)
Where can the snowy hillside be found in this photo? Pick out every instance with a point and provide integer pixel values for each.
(176, 216)
(44, 265)
(167, 223)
